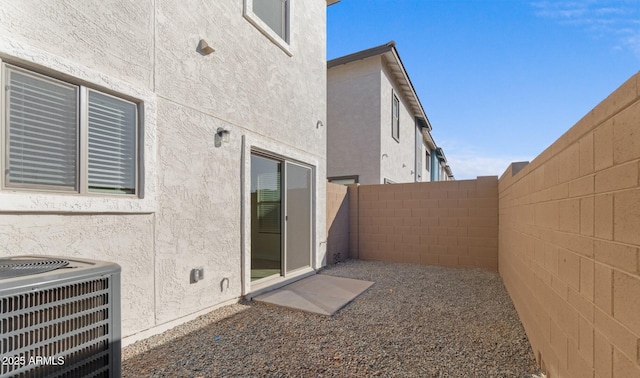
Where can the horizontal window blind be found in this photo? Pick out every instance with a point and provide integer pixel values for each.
(43, 131)
(269, 202)
(112, 144)
(269, 217)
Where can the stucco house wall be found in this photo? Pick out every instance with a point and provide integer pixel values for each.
(424, 172)
(360, 142)
(195, 211)
(400, 164)
(353, 110)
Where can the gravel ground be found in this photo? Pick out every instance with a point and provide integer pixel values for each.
(415, 321)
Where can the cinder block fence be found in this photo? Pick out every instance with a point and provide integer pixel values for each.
(569, 243)
(337, 223)
(563, 231)
(449, 223)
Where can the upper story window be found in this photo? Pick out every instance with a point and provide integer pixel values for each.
(273, 18)
(64, 137)
(395, 118)
(344, 180)
(274, 14)
(428, 161)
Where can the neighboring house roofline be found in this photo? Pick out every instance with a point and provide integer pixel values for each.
(392, 58)
(440, 155)
(443, 159)
(368, 53)
(331, 2)
(427, 138)
(449, 172)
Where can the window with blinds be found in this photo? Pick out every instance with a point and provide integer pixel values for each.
(112, 144)
(42, 120)
(66, 137)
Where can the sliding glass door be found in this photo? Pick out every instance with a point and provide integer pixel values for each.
(298, 218)
(281, 217)
(266, 217)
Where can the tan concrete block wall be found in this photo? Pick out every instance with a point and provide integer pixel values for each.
(449, 223)
(354, 221)
(569, 243)
(337, 223)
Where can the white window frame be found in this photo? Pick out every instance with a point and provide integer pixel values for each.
(11, 200)
(395, 118)
(428, 162)
(284, 43)
(6, 132)
(81, 185)
(344, 180)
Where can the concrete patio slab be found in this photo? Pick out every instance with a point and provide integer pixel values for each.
(320, 294)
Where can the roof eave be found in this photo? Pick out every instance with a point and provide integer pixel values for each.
(428, 139)
(406, 86)
(364, 54)
(392, 58)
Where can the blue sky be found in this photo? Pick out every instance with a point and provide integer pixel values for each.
(500, 80)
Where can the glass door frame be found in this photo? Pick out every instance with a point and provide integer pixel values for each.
(282, 218)
(285, 201)
(248, 284)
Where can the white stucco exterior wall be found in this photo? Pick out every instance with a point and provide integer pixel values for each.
(399, 166)
(423, 170)
(110, 37)
(359, 103)
(353, 120)
(193, 215)
(426, 173)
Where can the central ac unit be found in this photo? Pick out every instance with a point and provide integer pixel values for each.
(59, 317)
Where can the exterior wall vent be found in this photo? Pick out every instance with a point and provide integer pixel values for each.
(59, 317)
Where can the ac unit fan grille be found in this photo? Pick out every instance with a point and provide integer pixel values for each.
(70, 322)
(24, 266)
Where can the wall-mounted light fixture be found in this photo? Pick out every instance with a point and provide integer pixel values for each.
(319, 124)
(222, 135)
(204, 48)
(197, 274)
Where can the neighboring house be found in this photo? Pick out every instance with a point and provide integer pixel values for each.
(166, 136)
(377, 130)
(440, 170)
